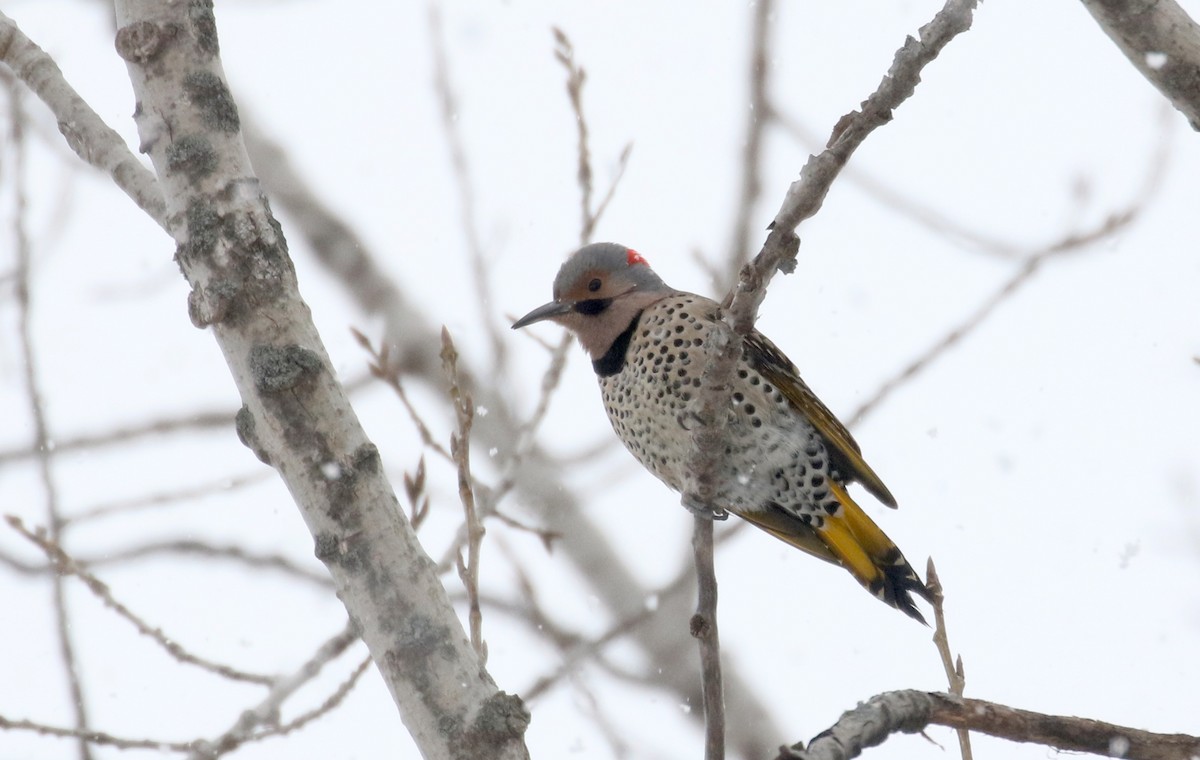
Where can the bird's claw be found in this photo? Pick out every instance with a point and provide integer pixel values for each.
(699, 508)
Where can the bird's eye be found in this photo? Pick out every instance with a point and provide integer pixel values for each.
(594, 285)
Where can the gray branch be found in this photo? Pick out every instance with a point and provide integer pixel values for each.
(86, 133)
(872, 722)
(1162, 42)
(804, 198)
(296, 416)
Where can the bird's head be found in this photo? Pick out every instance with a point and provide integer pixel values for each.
(598, 292)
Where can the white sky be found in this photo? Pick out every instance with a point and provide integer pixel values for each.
(1049, 464)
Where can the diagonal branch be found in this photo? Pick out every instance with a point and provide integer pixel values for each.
(86, 133)
(65, 565)
(804, 198)
(1161, 41)
(296, 416)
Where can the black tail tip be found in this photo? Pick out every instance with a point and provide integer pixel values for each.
(898, 581)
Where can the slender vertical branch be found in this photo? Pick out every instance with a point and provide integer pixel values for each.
(761, 113)
(576, 76)
(955, 676)
(460, 449)
(704, 629)
(37, 412)
(448, 101)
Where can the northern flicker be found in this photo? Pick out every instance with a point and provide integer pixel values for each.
(787, 461)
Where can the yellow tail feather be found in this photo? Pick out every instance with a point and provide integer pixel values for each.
(870, 556)
(850, 539)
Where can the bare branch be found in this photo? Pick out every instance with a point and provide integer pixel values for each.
(89, 736)
(232, 553)
(804, 198)
(954, 669)
(902, 202)
(871, 723)
(760, 114)
(466, 194)
(33, 391)
(1161, 41)
(296, 415)
(460, 449)
(86, 133)
(1024, 275)
(266, 712)
(622, 165)
(384, 369)
(704, 629)
(65, 565)
(188, 422)
(164, 498)
(564, 53)
(669, 597)
(332, 701)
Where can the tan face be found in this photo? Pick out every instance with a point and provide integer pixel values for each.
(597, 306)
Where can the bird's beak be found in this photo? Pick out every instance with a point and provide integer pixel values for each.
(545, 311)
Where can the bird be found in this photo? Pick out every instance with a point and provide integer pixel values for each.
(787, 461)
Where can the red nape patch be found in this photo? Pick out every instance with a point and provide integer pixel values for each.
(633, 257)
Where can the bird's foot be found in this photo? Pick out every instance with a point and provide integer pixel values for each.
(700, 508)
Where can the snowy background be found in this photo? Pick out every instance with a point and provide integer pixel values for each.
(1049, 463)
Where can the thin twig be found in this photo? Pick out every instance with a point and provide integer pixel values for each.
(332, 701)
(66, 565)
(588, 649)
(232, 553)
(185, 423)
(1002, 295)
(760, 115)
(418, 500)
(199, 747)
(384, 369)
(704, 629)
(548, 537)
(460, 449)
(805, 196)
(89, 736)
(902, 203)
(448, 101)
(1075, 241)
(955, 676)
(266, 712)
(37, 410)
(527, 433)
(602, 206)
(564, 52)
(164, 498)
